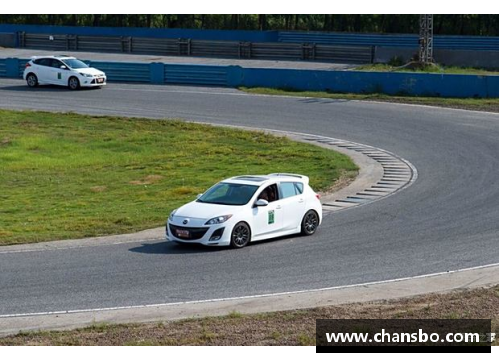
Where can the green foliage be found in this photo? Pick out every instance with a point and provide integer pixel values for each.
(70, 176)
(392, 66)
(396, 61)
(463, 24)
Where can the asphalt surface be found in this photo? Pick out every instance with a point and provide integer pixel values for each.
(447, 220)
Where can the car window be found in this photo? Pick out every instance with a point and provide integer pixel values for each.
(56, 63)
(287, 189)
(44, 62)
(270, 193)
(228, 194)
(299, 187)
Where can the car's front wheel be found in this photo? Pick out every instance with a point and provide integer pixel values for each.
(32, 80)
(240, 236)
(73, 83)
(310, 223)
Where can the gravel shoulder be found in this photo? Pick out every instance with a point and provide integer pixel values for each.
(295, 327)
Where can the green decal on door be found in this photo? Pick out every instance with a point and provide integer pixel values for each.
(270, 219)
(59, 75)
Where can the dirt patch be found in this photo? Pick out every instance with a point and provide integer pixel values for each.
(345, 178)
(148, 180)
(279, 328)
(5, 142)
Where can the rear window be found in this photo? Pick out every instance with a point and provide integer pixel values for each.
(46, 62)
(290, 189)
(287, 189)
(299, 186)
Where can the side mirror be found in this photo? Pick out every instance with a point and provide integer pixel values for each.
(261, 202)
(63, 67)
(198, 196)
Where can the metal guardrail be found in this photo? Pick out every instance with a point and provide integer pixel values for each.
(196, 74)
(201, 48)
(466, 42)
(390, 40)
(3, 68)
(124, 72)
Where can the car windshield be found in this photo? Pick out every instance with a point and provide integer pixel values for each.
(228, 194)
(75, 63)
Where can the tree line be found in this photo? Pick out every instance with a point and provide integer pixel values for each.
(464, 24)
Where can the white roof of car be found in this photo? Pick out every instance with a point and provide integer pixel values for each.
(260, 179)
(52, 56)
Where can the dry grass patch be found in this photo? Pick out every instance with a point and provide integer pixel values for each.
(278, 328)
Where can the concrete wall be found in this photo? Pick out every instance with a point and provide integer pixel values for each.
(7, 40)
(456, 57)
(418, 84)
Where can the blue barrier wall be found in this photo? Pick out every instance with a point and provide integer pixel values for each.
(420, 84)
(360, 39)
(234, 35)
(3, 68)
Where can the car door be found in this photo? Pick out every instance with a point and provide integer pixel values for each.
(42, 69)
(268, 219)
(55, 73)
(293, 204)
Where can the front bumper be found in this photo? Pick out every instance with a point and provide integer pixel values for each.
(92, 82)
(218, 234)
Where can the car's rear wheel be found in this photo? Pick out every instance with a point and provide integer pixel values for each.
(310, 223)
(73, 83)
(32, 80)
(240, 236)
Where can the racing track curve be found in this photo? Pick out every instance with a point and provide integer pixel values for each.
(447, 220)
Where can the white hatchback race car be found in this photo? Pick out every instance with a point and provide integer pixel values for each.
(243, 209)
(62, 70)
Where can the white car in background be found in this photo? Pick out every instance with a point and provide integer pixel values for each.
(62, 70)
(243, 209)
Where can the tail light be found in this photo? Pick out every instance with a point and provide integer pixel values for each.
(317, 196)
(28, 65)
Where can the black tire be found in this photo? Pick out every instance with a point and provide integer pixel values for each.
(310, 223)
(73, 83)
(32, 80)
(241, 235)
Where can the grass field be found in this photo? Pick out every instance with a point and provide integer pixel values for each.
(475, 104)
(70, 176)
(279, 328)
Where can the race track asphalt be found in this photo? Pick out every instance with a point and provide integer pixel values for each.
(447, 220)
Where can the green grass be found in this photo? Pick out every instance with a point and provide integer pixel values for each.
(476, 104)
(426, 69)
(70, 176)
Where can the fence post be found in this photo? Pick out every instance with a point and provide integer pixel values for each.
(157, 73)
(12, 67)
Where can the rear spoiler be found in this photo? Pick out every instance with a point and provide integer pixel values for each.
(303, 178)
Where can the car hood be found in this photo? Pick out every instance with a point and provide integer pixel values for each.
(92, 71)
(200, 210)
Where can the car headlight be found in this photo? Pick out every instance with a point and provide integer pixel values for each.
(171, 216)
(86, 75)
(218, 220)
